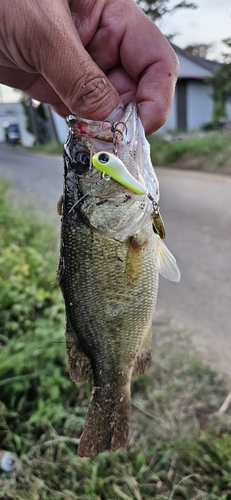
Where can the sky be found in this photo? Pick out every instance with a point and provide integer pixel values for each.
(209, 23)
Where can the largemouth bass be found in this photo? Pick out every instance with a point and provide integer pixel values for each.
(110, 258)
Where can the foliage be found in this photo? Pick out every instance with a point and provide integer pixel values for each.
(221, 84)
(30, 311)
(199, 49)
(37, 121)
(50, 147)
(158, 8)
(227, 54)
(24, 99)
(178, 449)
(208, 151)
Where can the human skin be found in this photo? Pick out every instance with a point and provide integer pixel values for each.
(87, 57)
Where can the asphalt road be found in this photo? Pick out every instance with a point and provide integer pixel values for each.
(196, 208)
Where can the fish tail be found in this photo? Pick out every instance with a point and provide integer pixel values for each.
(107, 421)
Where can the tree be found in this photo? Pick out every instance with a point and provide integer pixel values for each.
(221, 84)
(199, 49)
(156, 9)
(227, 54)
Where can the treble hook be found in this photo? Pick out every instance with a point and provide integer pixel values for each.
(113, 130)
(157, 221)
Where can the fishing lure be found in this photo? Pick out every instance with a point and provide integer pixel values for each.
(113, 167)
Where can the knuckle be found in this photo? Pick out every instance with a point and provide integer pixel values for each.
(94, 95)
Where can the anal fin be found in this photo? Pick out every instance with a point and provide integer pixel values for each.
(79, 365)
(144, 357)
(143, 362)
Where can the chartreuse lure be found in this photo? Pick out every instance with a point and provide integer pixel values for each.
(112, 166)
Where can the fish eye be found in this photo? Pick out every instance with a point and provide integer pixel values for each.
(83, 158)
(103, 158)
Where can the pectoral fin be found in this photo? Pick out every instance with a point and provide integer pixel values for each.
(166, 263)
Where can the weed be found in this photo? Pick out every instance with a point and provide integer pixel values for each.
(51, 147)
(209, 151)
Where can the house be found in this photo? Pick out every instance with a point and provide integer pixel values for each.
(193, 104)
(12, 114)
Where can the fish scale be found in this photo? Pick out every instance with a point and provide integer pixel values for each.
(110, 336)
(108, 273)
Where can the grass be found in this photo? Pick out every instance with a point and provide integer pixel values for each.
(207, 151)
(51, 147)
(178, 449)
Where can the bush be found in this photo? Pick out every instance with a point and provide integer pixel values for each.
(206, 151)
(32, 366)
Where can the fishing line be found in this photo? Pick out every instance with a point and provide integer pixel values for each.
(78, 201)
(89, 192)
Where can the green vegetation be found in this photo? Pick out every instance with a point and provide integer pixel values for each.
(157, 9)
(220, 82)
(51, 147)
(206, 151)
(179, 449)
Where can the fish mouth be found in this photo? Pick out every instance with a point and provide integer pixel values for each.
(107, 130)
(125, 138)
(126, 210)
(87, 125)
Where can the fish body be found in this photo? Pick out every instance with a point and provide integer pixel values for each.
(108, 271)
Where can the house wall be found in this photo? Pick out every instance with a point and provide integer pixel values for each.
(198, 108)
(199, 104)
(171, 123)
(13, 112)
(61, 126)
(190, 69)
(228, 111)
(198, 100)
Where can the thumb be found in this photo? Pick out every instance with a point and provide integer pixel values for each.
(66, 65)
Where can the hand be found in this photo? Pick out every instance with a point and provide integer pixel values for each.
(86, 57)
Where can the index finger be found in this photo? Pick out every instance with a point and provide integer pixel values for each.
(149, 59)
(138, 60)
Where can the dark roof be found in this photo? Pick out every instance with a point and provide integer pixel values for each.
(205, 63)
